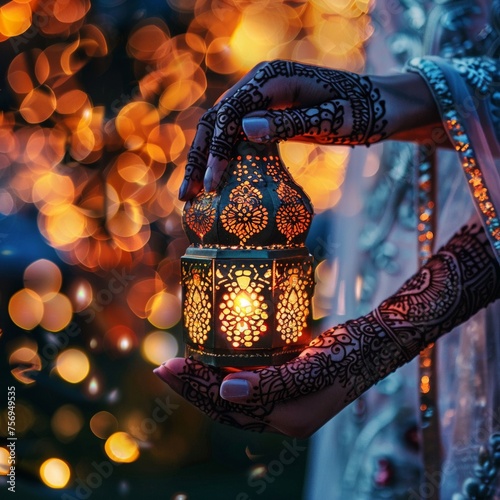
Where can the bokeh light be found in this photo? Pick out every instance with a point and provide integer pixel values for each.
(121, 447)
(93, 387)
(81, 295)
(99, 114)
(15, 18)
(4, 461)
(158, 346)
(57, 313)
(100, 225)
(44, 278)
(164, 310)
(72, 365)
(103, 424)
(55, 473)
(120, 339)
(26, 309)
(24, 362)
(66, 422)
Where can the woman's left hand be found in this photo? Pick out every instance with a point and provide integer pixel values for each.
(294, 399)
(200, 385)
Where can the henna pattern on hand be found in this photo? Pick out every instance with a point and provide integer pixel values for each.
(201, 389)
(320, 123)
(321, 120)
(368, 109)
(197, 156)
(458, 281)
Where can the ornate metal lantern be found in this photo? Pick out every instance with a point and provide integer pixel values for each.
(247, 277)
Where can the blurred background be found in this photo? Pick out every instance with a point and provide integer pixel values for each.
(99, 102)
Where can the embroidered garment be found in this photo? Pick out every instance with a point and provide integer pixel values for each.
(371, 449)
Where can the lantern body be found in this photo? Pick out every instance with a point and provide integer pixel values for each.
(247, 278)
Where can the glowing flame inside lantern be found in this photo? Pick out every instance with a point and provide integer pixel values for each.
(243, 304)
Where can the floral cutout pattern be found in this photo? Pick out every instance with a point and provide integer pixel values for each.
(200, 217)
(293, 306)
(244, 215)
(197, 304)
(243, 311)
(292, 217)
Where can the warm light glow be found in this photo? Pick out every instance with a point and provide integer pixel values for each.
(72, 365)
(124, 344)
(425, 385)
(55, 473)
(15, 18)
(140, 292)
(66, 422)
(121, 447)
(152, 127)
(57, 313)
(38, 105)
(24, 361)
(4, 461)
(103, 424)
(44, 278)
(52, 190)
(120, 338)
(102, 176)
(158, 346)
(81, 295)
(164, 310)
(26, 309)
(243, 304)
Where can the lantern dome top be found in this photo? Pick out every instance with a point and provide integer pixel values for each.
(257, 204)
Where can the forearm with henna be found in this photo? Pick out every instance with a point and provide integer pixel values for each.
(332, 106)
(336, 107)
(343, 362)
(290, 100)
(462, 278)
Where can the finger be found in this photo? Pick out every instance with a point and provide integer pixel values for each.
(198, 384)
(197, 157)
(226, 130)
(243, 81)
(276, 384)
(325, 123)
(260, 91)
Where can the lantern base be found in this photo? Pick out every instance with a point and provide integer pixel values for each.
(246, 307)
(258, 358)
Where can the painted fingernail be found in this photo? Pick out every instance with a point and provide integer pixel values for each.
(234, 388)
(207, 181)
(183, 189)
(256, 128)
(162, 373)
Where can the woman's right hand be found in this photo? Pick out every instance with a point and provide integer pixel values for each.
(281, 100)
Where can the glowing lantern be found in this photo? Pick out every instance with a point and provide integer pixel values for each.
(247, 276)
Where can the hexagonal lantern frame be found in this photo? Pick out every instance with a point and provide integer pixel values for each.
(247, 277)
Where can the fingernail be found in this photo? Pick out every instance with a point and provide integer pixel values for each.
(256, 128)
(234, 388)
(207, 181)
(183, 189)
(162, 372)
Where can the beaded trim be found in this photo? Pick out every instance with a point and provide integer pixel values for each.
(460, 140)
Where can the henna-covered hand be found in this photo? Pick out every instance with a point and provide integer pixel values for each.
(298, 397)
(281, 100)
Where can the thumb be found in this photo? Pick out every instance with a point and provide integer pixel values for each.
(323, 123)
(259, 126)
(239, 388)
